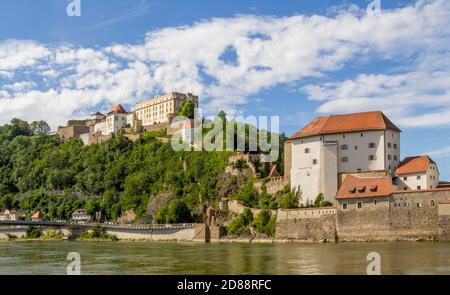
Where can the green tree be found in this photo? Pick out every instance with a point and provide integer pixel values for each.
(40, 127)
(187, 109)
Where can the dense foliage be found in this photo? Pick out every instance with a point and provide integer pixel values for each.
(39, 172)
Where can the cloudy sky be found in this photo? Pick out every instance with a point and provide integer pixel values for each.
(296, 59)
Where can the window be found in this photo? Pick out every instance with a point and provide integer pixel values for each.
(395, 158)
(419, 205)
(356, 147)
(375, 202)
(362, 135)
(419, 187)
(418, 177)
(359, 205)
(307, 151)
(397, 203)
(389, 145)
(405, 188)
(343, 135)
(344, 147)
(395, 146)
(344, 206)
(344, 159)
(314, 162)
(405, 178)
(371, 158)
(371, 145)
(432, 203)
(389, 157)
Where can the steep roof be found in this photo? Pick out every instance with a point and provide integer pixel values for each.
(354, 122)
(117, 109)
(97, 114)
(356, 187)
(37, 214)
(416, 164)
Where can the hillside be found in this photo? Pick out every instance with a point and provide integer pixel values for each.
(37, 172)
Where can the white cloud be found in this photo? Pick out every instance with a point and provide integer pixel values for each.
(440, 153)
(269, 50)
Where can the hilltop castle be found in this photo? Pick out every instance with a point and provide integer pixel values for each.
(156, 113)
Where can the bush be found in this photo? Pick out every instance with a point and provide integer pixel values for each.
(98, 232)
(265, 223)
(289, 198)
(53, 234)
(175, 211)
(33, 233)
(11, 236)
(237, 227)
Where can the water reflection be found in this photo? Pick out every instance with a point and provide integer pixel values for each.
(49, 257)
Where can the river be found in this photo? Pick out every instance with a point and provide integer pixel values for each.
(49, 257)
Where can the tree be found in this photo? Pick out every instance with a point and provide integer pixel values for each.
(40, 127)
(290, 198)
(187, 109)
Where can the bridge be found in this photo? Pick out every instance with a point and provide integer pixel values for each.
(182, 231)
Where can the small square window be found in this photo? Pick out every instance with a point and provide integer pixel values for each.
(344, 147)
(405, 178)
(395, 158)
(372, 145)
(307, 151)
(356, 147)
(344, 159)
(419, 187)
(359, 205)
(371, 158)
(344, 206)
(389, 157)
(395, 146)
(314, 161)
(389, 145)
(418, 177)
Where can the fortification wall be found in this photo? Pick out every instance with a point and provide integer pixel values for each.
(304, 224)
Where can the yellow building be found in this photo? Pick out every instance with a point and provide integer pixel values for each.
(161, 108)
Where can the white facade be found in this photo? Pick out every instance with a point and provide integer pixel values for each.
(318, 160)
(115, 122)
(159, 109)
(100, 127)
(417, 181)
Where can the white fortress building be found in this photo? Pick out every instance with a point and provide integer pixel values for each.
(319, 156)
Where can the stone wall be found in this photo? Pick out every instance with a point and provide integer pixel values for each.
(414, 214)
(404, 215)
(307, 229)
(287, 160)
(273, 184)
(238, 207)
(369, 223)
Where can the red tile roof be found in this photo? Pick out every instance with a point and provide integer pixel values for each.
(416, 164)
(117, 109)
(355, 187)
(97, 114)
(346, 123)
(37, 214)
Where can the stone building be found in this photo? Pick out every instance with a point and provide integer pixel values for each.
(372, 209)
(331, 145)
(162, 108)
(419, 172)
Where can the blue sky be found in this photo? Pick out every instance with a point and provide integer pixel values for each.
(296, 59)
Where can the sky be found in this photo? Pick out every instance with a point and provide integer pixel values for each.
(295, 59)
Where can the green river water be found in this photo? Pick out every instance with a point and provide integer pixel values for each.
(49, 257)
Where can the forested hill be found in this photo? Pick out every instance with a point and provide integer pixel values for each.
(37, 172)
